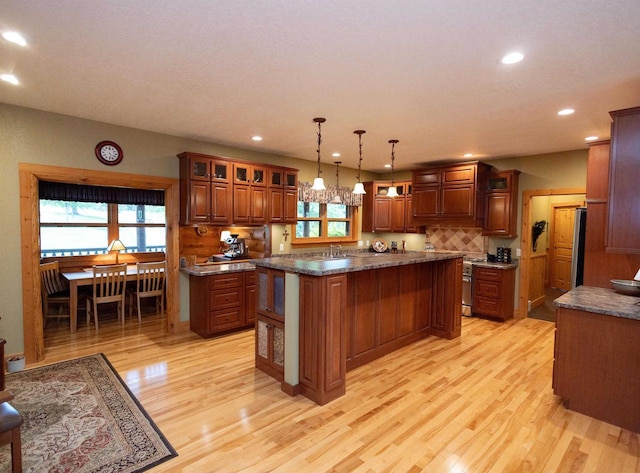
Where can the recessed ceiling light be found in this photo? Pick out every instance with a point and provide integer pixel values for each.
(512, 58)
(14, 37)
(10, 78)
(566, 111)
(387, 165)
(256, 138)
(591, 138)
(335, 155)
(468, 155)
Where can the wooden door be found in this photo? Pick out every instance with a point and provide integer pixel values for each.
(221, 203)
(426, 202)
(290, 206)
(457, 201)
(397, 214)
(199, 204)
(276, 212)
(259, 205)
(563, 218)
(382, 214)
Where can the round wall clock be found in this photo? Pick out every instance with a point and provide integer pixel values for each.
(108, 153)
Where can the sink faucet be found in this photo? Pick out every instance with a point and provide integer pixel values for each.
(336, 247)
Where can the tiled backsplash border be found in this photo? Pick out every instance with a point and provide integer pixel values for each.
(458, 239)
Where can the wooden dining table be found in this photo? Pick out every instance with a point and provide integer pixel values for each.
(85, 278)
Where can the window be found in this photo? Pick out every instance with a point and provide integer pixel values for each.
(321, 223)
(82, 227)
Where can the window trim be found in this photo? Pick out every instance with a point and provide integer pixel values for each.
(324, 226)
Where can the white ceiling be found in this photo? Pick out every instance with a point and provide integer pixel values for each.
(426, 72)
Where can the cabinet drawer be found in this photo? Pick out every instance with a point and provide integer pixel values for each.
(486, 306)
(224, 319)
(228, 298)
(249, 278)
(223, 281)
(488, 274)
(490, 289)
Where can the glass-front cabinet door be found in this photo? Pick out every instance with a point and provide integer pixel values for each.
(271, 293)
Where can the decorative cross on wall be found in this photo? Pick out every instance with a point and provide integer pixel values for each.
(285, 234)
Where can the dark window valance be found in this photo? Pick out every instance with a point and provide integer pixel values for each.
(110, 195)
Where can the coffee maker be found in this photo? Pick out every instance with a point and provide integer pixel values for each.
(237, 248)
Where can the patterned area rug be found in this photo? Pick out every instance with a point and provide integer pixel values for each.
(79, 416)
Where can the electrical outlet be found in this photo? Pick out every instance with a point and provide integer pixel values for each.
(281, 246)
(360, 243)
(518, 252)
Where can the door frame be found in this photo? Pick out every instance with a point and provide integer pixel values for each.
(552, 230)
(30, 175)
(525, 242)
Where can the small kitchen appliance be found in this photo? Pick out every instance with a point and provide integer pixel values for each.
(237, 247)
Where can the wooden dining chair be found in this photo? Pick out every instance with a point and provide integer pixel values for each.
(109, 284)
(10, 421)
(149, 283)
(55, 291)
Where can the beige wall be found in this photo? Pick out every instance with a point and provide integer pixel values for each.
(32, 136)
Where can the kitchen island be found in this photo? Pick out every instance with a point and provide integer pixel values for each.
(596, 367)
(319, 316)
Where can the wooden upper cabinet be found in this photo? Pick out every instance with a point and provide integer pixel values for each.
(381, 213)
(205, 192)
(623, 232)
(501, 204)
(283, 195)
(448, 194)
(221, 191)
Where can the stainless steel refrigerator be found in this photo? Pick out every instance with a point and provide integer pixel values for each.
(577, 256)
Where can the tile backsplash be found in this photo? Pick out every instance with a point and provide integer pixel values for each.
(458, 239)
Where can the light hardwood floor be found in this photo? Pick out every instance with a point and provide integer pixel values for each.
(482, 403)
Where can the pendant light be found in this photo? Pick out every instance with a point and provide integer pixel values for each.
(318, 182)
(393, 192)
(359, 188)
(336, 199)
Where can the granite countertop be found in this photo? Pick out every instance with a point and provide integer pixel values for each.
(318, 265)
(600, 300)
(494, 265)
(208, 269)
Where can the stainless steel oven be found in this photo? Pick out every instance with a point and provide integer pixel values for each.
(467, 287)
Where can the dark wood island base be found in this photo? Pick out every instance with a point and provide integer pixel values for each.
(358, 312)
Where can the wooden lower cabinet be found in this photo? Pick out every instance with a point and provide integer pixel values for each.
(221, 303)
(270, 346)
(493, 292)
(392, 307)
(596, 368)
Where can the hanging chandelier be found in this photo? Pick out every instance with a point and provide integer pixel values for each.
(359, 187)
(393, 192)
(318, 182)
